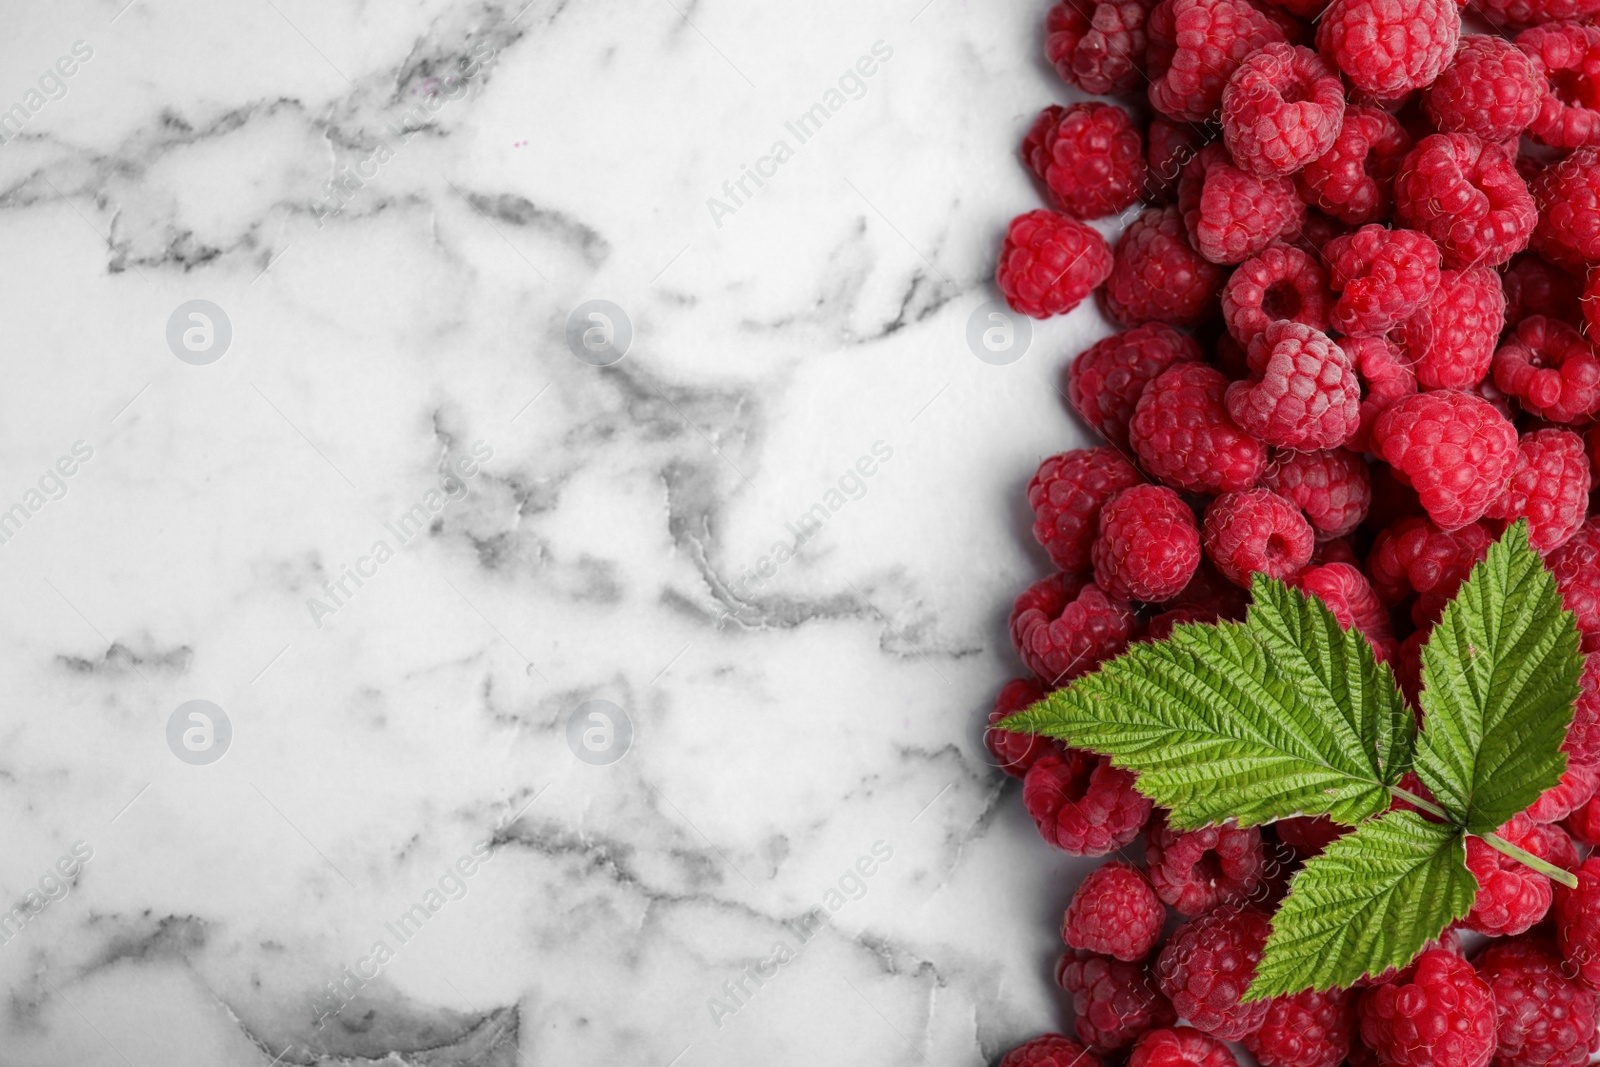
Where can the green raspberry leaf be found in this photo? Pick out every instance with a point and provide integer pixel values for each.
(1368, 902)
(1283, 714)
(1499, 673)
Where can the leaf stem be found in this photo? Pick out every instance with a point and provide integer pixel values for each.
(1495, 841)
(1422, 805)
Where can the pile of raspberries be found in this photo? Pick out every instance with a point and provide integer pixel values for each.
(1355, 291)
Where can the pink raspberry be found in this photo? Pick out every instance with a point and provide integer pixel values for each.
(1184, 436)
(1171, 146)
(1389, 47)
(1279, 282)
(1543, 1017)
(1115, 913)
(1563, 850)
(1115, 1001)
(1466, 194)
(1583, 736)
(1577, 786)
(1415, 556)
(1511, 896)
(1382, 276)
(1551, 370)
(1158, 276)
(1049, 263)
(1308, 1029)
(1149, 545)
(1066, 494)
(1049, 1050)
(1549, 487)
(1206, 967)
(1281, 109)
(1209, 39)
(1256, 531)
(1457, 451)
(1331, 487)
(1304, 393)
(1442, 1015)
(1107, 379)
(1349, 596)
(1197, 870)
(1014, 753)
(1535, 287)
(1452, 336)
(1584, 824)
(1576, 567)
(1063, 628)
(1385, 377)
(1082, 804)
(1089, 155)
(1181, 1046)
(1353, 179)
(1577, 914)
(1568, 194)
(1097, 46)
(1490, 89)
(1231, 215)
(1566, 61)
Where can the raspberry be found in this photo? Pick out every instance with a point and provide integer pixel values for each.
(1576, 567)
(1331, 487)
(1566, 60)
(1385, 377)
(1389, 47)
(1352, 180)
(1183, 434)
(1066, 494)
(1549, 487)
(1511, 896)
(1534, 287)
(1157, 276)
(1148, 546)
(1304, 393)
(1181, 1046)
(1382, 276)
(1281, 109)
(1577, 786)
(1308, 836)
(1115, 913)
(1062, 628)
(1577, 914)
(1452, 337)
(1449, 940)
(1520, 13)
(1107, 378)
(1543, 1017)
(1049, 263)
(1455, 448)
(1490, 89)
(1308, 1029)
(1207, 965)
(1170, 147)
(1256, 531)
(1231, 215)
(1415, 556)
(1209, 591)
(1097, 46)
(1115, 1001)
(1562, 850)
(1583, 736)
(1049, 1050)
(1014, 753)
(1584, 824)
(1550, 368)
(1279, 282)
(1161, 625)
(1466, 194)
(1591, 305)
(1083, 805)
(1210, 38)
(1568, 194)
(1089, 155)
(1440, 1016)
(1195, 871)
(1349, 596)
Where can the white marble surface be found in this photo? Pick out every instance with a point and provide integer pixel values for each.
(606, 550)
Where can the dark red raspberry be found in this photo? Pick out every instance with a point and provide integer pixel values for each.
(1591, 306)
(1090, 156)
(1256, 531)
(1303, 392)
(1308, 1029)
(1149, 544)
(1115, 912)
(1577, 914)
(1490, 89)
(1543, 1017)
(1584, 824)
(1456, 450)
(1551, 369)
(1577, 786)
(1415, 556)
(1568, 194)
(1576, 567)
(1566, 58)
(1583, 736)
(1209, 38)
(1452, 337)
(1549, 487)
(1049, 263)
(1206, 967)
(1184, 436)
(1160, 626)
(1279, 282)
(1535, 287)
(1063, 628)
(1442, 1015)
(1232, 215)
(1466, 194)
(1049, 1050)
(1511, 895)
(1181, 1046)
(1350, 597)
(1171, 146)
(1209, 591)
(1099, 47)
(1014, 753)
(1519, 13)
(1083, 805)
(1331, 487)
(1389, 47)
(1382, 276)
(1385, 377)
(1197, 870)
(1115, 1001)
(1281, 109)
(1158, 276)
(1318, 231)
(1066, 494)
(1308, 836)
(1352, 180)
(1107, 378)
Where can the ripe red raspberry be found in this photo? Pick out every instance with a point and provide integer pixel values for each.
(1551, 370)
(1014, 753)
(1107, 379)
(1209, 591)
(1385, 377)
(1490, 89)
(1308, 836)
(1304, 393)
(1158, 276)
(1466, 194)
(1206, 967)
(1415, 556)
(1583, 736)
(1516, 14)
(1066, 494)
(1089, 155)
(1049, 1050)
(1279, 282)
(1448, 941)
(1349, 596)
(1382, 276)
(1160, 626)
(1535, 287)
(1209, 38)
(1281, 109)
(1549, 487)
(1568, 194)
(1584, 824)
(1083, 805)
(1566, 58)
(1063, 628)
(1511, 896)
(1331, 487)
(1577, 914)
(1148, 546)
(1442, 1015)
(1231, 215)
(1197, 870)
(1308, 1029)
(1170, 147)
(1181, 1046)
(1576, 567)
(1452, 336)
(1353, 179)
(1577, 786)
(1097, 46)
(1389, 47)
(1591, 305)
(1184, 436)
(1455, 449)
(1256, 531)
(1115, 913)
(1115, 1002)
(1543, 1017)
(1049, 263)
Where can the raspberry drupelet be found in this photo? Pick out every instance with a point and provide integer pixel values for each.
(1385, 377)
(1536, 287)
(1149, 544)
(1568, 194)
(1184, 436)
(1414, 556)
(1066, 494)
(1577, 913)
(1090, 156)
(1157, 275)
(1049, 263)
(1230, 214)
(1281, 109)
(1106, 380)
(1577, 786)
(1083, 805)
(1114, 912)
(1351, 599)
(1576, 567)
